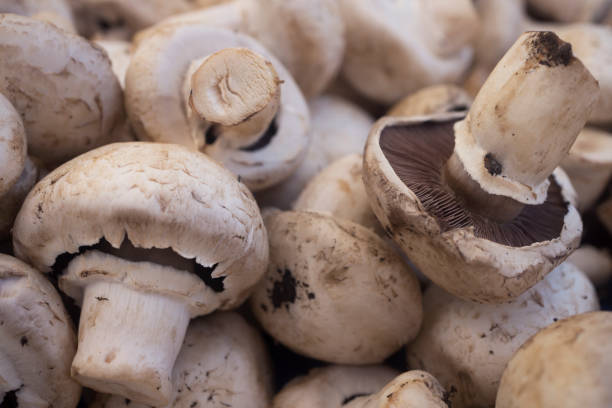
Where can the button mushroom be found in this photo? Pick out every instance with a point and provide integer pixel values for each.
(223, 362)
(37, 341)
(335, 291)
(472, 202)
(566, 365)
(152, 235)
(466, 345)
(63, 88)
(432, 99)
(361, 387)
(163, 96)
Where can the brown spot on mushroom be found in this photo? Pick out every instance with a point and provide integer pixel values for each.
(110, 357)
(492, 165)
(283, 291)
(23, 341)
(549, 50)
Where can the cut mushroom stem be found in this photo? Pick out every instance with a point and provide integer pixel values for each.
(521, 125)
(129, 340)
(236, 92)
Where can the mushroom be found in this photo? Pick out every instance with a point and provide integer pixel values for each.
(13, 148)
(223, 362)
(589, 165)
(56, 12)
(307, 36)
(595, 263)
(466, 345)
(147, 236)
(361, 387)
(181, 94)
(566, 365)
(477, 204)
(568, 11)
(120, 55)
(433, 99)
(395, 48)
(63, 88)
(338, 128)
(335, 291)
(37, 341)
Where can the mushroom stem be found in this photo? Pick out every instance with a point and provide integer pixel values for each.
(236, 92)
(525, 118)
(128, 342)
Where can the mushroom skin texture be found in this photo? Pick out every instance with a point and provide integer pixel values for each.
(56, 12)
(37, 340)
(158, 93)
(589, 165)
(13, 147)
(223, 362)
(307, 36)
(565, 365)
(466, 345)
(433, 99)
(337, 128)
(333, 386)
(486, 216)
(63, 88)
(335, 291)
(395, 48)
(146, 247)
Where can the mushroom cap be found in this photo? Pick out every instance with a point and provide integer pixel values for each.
(338, 190)
(37, 338)
(482, 262)
(589, 165)
(10, 203)
(395, 48)
(63, 88)
(467, 345)
(568, 364)
(337, 128)
(433, 99)
(157, 110)
(335, 291)
(223, 361)
(13, 148)
(156, 196)
(57, 12)
(332, 386)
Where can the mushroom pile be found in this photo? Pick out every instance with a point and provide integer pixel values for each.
(305, 203)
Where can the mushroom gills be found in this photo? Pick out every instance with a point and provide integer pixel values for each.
(418, 154)
(127, 251)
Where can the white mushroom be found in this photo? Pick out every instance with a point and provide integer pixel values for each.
(223, 363)
(37, 341)
(13, 148)
(335, 291)
(57, 12)
(152, 235)
(163, 80)
(432, 99)
(467, 345)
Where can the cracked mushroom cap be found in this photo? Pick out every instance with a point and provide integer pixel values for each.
(57, 12)
(164, 227)
(13, 148)
(156, 104)
(396, 48)
(63, 88)
(466, 345)
(335, 291)
(37, 341)
(433, 99)
(589, 165)
(568, 365)
(333, 386)
(223, 362)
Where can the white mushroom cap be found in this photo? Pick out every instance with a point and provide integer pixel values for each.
(589, 165)
(150, 197)
(63, 88)
(432, 99)
(333, 386)
(335, 291)
(37, 340)
(595, 263)
(13, 148)
(338, 128)
(568, 364)
(223, 362)
(10, 203)
(467, 345)
(157, 109)
(57, 12)
(395, 48)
